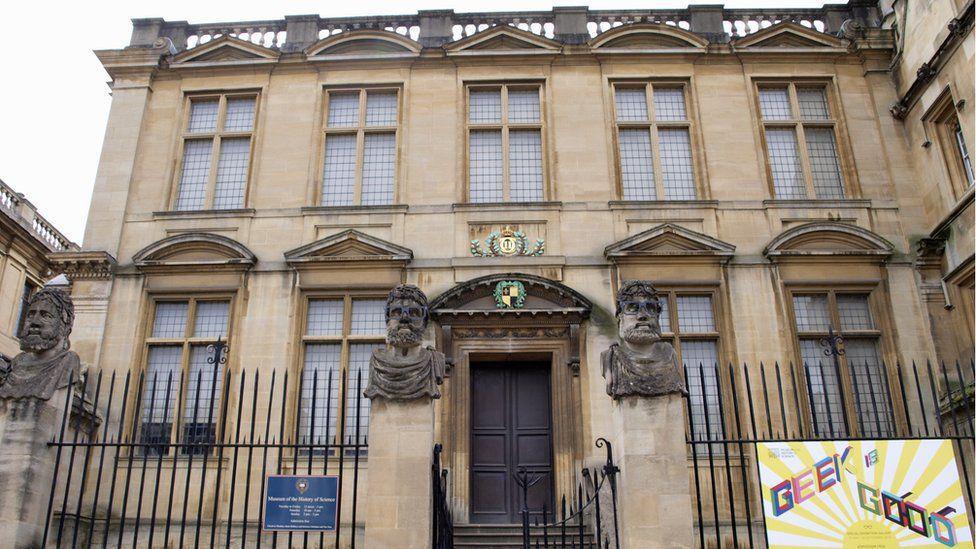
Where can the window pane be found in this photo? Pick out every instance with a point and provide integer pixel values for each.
(359, 355)
(193, 179)
(636, 165)
(203, 116)
(868, 376)
(695, 314)
(855, 314)
(824, 390)
(822, 149)
(160, 387)
(339, 178)
(170, 320)
(967, 162)
(343, 109)
(675, 153)
(485, 106)
(784, 162)
(631, 104)
(665, 317)
(813, 103)
(525, 164)
(700, 361)
(381, 108)
(669, 104)
(379, 163)
(811, 313)
(775, 104)
(202, 406)
(368, 317)
(523, 106)
(324, 317)
(211, 319)
(485, 166)
(320, 399)
(240, 114)
(232, 172)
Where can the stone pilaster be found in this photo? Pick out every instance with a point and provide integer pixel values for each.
(654, 495)
(398, 498)
(27, 465)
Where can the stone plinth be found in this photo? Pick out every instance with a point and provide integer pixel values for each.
(27, 465)
(653, 489)
(398, 498)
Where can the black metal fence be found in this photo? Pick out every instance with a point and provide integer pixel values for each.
(442, 524)
(772, 404)
(180, 460)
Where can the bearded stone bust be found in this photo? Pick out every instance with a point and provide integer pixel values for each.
(405, 369)
(45, 364)
(641, 364)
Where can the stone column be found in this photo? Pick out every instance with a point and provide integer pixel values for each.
(27, 465)
(398, 498)
(654, 494)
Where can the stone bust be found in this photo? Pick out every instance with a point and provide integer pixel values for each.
(405, 369)
(45, 364)
(641, 364)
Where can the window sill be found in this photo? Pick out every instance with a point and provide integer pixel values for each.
(660, 204)
(380, 208)
(194, 214)
(817, 203)
(505, 206)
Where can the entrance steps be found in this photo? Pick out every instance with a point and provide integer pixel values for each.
(505, 536)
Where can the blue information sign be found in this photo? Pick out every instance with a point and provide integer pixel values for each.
(296, 503)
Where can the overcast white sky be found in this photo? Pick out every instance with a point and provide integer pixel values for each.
(54, 102)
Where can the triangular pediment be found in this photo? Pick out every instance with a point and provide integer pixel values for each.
(194, 250)
(788, 35)
(366, 42)
(348, 246)
(668, 239)
(647, 36)
(504, 38)
(225, 49)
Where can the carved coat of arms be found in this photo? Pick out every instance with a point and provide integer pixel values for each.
(509, 294)
(506, 243)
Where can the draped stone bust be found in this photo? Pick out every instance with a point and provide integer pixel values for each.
(641, 364)
(405, 370)
(46, 362)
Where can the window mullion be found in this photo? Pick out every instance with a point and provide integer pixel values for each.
(506, 183)
(801, 142)
(654, 143)
(357, 189)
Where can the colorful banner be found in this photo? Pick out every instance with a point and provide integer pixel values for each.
(862, 494)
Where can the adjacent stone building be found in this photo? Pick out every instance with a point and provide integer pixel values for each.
(779, 175)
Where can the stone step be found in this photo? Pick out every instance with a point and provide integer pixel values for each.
(503, 536)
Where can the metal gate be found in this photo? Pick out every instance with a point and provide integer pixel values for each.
(181, 461)
(747, 405)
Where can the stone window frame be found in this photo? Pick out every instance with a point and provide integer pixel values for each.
(942, 118)
(692, 123)
(185, 342)
(504, 126)
(671, 293)
(345, 339)
(215, 137)
(849, 180)
(882, 334)
(359, 130)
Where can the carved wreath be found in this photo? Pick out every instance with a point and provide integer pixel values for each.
(492, 243)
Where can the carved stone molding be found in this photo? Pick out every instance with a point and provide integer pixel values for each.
(516, 333)
(85, 265)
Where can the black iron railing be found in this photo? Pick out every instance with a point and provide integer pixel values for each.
(782, 404)
(442, 525)
(192, 472)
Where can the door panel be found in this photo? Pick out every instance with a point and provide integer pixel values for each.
(511, 427)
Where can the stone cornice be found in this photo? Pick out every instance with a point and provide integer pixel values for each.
(84, 265)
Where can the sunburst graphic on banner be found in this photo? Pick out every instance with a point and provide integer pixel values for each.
(862, 494)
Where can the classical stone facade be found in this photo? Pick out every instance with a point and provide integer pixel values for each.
(277, 179)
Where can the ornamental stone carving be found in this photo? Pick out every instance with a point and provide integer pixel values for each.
(45, 364)
(641, 364)
(405, 370)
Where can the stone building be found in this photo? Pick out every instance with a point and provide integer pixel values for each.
(778, 174)
(26, 240)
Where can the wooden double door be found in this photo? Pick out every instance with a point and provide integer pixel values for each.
(511, 428)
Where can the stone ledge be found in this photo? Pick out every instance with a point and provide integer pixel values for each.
(775, 203)
(199, 214)
(661, 204)
(506, 206)
(382, 208)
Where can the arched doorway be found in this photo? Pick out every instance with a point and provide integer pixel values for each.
(512, 395)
